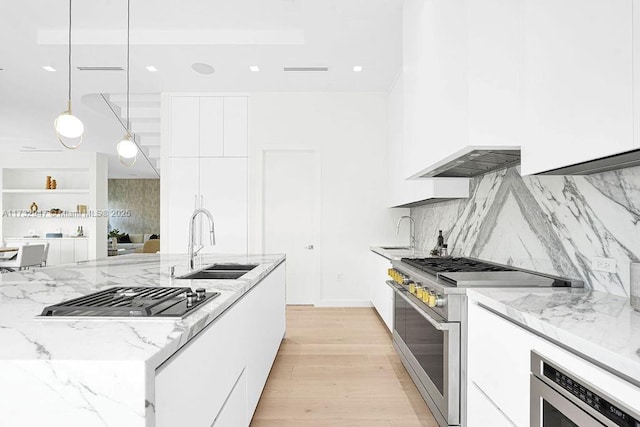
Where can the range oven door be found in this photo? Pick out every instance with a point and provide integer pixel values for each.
(561, 399)
(431, 348)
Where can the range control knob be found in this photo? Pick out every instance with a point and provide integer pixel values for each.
(191, 297)
(440, 301)
(201, 293)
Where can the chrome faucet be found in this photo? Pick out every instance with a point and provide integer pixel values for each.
(192, 237)
(412, 231)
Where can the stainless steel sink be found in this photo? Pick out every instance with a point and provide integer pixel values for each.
(220, 272)
(235, 267)
(214, 274)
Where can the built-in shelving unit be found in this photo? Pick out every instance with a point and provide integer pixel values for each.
(81, 180)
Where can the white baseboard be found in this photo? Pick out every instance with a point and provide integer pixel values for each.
(344, 303)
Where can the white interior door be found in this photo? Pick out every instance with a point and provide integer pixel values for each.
(291, 218)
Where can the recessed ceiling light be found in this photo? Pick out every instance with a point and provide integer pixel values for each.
(202, 68)
(357, 68)
(254, 68)
(49, 68)
(151, 68)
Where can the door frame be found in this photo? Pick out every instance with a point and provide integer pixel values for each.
(317, 221)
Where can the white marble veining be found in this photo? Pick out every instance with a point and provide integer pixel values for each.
(98, 369)
(601, 326)
(551, 224)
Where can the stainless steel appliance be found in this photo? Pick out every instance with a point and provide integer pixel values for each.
(429, 330)
(562, 399)
(123, 301)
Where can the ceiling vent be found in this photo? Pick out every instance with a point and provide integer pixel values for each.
(305, 69)
(100, 68)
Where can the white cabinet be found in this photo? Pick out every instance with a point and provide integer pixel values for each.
(233, 413)
(483, 411)
(461, 70)
(208, 126)
(212, 126)
(401, 191)
(636, 73)
(80, 250)
(202, 373)
(185, 126)
(222, 370)
(380, 293)
(236, 119)
(266, 324)
(61, 251)
(209, 170)
(578, 92)
(495, 342)
(223, 186)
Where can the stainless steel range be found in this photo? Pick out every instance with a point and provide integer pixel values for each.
(135, 301)
(429, 330)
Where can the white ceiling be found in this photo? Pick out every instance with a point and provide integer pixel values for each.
(230, 35)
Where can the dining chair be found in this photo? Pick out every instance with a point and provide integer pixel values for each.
(27, 256)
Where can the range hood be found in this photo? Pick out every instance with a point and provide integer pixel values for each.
(603, 164)
(472, 161)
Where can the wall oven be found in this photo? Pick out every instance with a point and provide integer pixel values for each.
(429, 347)
(562, 399)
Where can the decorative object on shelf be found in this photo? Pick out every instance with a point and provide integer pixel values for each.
(81, 209)
(55, 211)
(47, 185)
(127, 148)
(33, 208)
(54, 184)
(80, 232)
(67, 125)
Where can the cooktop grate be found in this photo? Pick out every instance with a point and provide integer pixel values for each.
(450, 265)
(131, 301)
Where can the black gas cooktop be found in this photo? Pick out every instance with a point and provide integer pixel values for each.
(450, 265)
(133, 301)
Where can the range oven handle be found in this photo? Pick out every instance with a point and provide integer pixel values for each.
(438, 325)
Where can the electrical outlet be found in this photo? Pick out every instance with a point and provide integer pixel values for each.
(603, 264)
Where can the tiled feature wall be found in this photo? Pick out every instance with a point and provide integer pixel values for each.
(142, 198)
(551, 224)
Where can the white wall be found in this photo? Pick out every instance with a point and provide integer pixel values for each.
(349, 131)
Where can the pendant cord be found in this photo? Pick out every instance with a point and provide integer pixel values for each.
(69, 50)
(128, 35)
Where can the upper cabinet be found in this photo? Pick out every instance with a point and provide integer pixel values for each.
(462, 78)
(578, 81)
(403, 192)
(208, 126)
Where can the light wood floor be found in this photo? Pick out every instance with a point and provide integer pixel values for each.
(337, 367)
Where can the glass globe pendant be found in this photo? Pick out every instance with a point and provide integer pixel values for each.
(127, 151)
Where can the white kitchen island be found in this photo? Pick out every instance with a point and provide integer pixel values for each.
(206, 369)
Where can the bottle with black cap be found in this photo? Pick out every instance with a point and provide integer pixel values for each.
(440, 242)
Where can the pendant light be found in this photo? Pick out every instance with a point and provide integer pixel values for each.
(67, 126)
(127, 148)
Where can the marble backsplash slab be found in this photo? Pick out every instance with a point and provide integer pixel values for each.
(551, 224)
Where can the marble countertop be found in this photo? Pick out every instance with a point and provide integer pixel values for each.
(24, 294)
(393, 253)
(601, 326)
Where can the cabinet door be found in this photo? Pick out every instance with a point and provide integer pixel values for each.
(234, 411)
(265, 330)
(235, 126)
(211, 126)
(499, 363)
(67, 251)
(183, 190)
(223, 185)
(193, 385)
(381, 294)
(53, 257)
(435, 87)
(482, 412)
(185, 126)
(577, 81)
(81, 250)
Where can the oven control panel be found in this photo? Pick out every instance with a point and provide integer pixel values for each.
(592, 399)
(428, 296)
